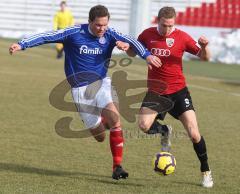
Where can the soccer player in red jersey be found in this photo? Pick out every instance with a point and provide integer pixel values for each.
(169, 44)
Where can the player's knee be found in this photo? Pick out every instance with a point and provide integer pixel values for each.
(195, 138)
(195, 135)
(144, 126)
(113, 121)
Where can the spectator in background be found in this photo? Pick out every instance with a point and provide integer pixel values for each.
(62, 19)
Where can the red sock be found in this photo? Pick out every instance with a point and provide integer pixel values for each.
(116, 144)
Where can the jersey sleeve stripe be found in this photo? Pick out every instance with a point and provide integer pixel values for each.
(48, 34)
(136, 43)
(131, 40)
(52, 32)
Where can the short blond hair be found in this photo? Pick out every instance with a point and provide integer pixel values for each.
(167, 12)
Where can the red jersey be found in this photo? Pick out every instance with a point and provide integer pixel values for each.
(170, 50)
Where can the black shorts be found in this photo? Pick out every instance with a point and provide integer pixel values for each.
(181, 100)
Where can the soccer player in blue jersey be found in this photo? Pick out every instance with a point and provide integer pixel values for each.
(88, 48)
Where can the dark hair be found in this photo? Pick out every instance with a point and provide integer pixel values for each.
(167, 12)
(98, 11)
(63, 3)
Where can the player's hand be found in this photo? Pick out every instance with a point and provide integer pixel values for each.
(14, 47)
(203, 41)
(122, 45)
(153, 61)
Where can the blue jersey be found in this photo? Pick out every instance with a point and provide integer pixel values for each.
(87, 57)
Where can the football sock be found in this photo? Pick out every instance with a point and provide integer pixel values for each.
(157, 128)
(116, 144)
(201, 151)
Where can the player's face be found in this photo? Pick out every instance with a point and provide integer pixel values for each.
(99, 26)
(166, 25)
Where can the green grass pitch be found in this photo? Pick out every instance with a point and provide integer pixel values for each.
(35, 159)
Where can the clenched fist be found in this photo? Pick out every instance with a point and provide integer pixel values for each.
(14, 47)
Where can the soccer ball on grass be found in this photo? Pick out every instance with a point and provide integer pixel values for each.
(164, 163)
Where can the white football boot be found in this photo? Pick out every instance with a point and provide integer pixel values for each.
(207, 179)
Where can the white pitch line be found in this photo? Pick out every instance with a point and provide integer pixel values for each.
(211, 79)
(214, 90)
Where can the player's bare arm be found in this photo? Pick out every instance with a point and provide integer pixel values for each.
(204, 53)
(13, 48)
(151, 59)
